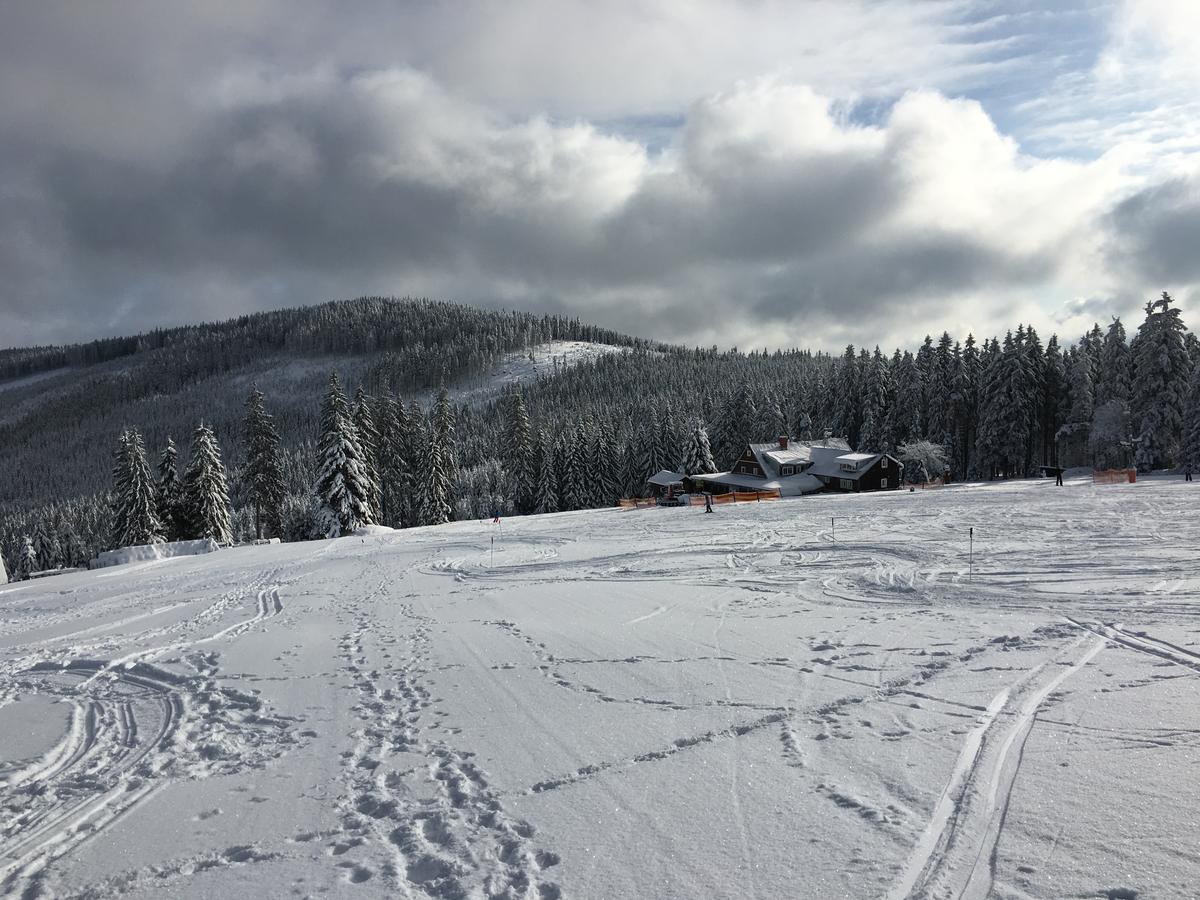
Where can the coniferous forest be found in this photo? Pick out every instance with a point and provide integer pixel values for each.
(311, 422)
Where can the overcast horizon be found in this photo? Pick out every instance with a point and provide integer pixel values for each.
(753, 174)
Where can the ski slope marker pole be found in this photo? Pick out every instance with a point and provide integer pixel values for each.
(971, 554)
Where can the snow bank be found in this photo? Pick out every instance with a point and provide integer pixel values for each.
(367, 530)
(150, 552)
(49, 573)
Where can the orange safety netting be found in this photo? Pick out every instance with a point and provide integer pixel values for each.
(1114, 476)
(698, 499)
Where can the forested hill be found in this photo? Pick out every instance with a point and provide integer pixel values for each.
(61, 407)
(576, 436)
(424, 340)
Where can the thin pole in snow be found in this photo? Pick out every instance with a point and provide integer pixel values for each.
(833, 528)
(493, 563)
(971, 554)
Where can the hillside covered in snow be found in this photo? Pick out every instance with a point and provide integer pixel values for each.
(836, 696)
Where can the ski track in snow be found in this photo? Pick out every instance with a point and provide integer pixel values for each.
(134, 726)
(620, 704)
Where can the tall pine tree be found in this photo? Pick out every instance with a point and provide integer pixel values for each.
(344, 487)
(206, 490)
(262, 473)
(135, 516)
(169, 497)
(1162, 368)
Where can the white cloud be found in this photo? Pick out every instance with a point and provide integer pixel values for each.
(816, 180)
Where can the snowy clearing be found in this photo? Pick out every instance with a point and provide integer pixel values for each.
(653, 703)
(527, 365)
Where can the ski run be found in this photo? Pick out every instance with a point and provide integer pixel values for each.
(833, 696)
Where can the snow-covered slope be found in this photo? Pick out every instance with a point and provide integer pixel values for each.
(653, 703)
(527, 365)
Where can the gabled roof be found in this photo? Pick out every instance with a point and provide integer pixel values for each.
(665, 478)
(788, 486)
(798, 453)
(831, 466)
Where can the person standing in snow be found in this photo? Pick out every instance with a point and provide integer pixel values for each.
(1187, 472)
(708, 501)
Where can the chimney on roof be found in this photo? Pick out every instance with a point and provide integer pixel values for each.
(783, 442)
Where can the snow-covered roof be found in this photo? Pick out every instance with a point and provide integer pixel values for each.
(665, 478)
(831, 466)
(790, 456)
(789, 486)
(798, 453)
(856, 457)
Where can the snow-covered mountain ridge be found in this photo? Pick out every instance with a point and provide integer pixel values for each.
(830, 696)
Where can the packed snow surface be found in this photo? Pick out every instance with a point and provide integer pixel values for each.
(760, 702)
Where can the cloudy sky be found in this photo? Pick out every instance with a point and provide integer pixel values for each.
(760, 173)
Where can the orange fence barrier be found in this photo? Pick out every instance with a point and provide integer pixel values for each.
(698, 499)
(1114, 476)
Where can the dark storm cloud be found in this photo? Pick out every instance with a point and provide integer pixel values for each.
(1156, 232)
(164, 165)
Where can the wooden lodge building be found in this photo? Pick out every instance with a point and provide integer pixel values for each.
(805, 467)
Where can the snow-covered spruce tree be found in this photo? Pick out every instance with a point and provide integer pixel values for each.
(135, 516)
(46, 546)
(922, 459)
(875, 391)
(939, 392)
(168, 498)
(603, 465)
(27, 560)
(848, 422)
(547, 486)
(1114, 365)
(441, 464)
(1054, 380)
(412, 442)
(968, 393)
(519, 455)
(3, 571)
(395, 462)
(669, 444)
(1162, 367)
(651, 455)
(1082, 390)
(905, 415)
(368, 440)
(344, 488)
(1191, 425)
(993, 413)
(697, 455)
(262, 472)
(576, 491)
(206, 490)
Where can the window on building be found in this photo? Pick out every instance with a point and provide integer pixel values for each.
(788, 470)
(883, 483)
(884, 466)
(847, 484)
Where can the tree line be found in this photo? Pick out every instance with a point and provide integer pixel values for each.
(585, 435)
